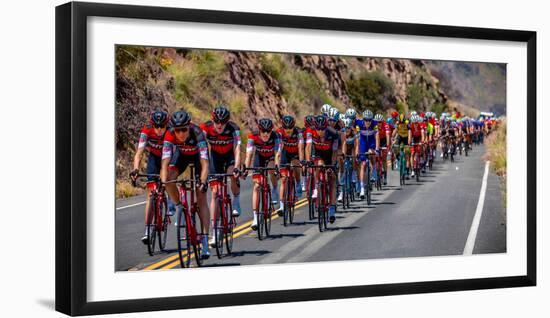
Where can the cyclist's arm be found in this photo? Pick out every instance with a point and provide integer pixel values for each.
(237, 148)
(300, 146)
(344, 143)
(335, 150)
(278, 148)
(166, 156)
(249, 151)
(141, 147)
(410, 137)
(377, 140)
(309, 144)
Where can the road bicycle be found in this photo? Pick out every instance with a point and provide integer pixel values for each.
(323, 195)
(289, 196)
(189, 239)
(265, 205)
(310, 185)
(158, 218)
(224, 221)
(368, 182)
(416, 159)
(348, 188)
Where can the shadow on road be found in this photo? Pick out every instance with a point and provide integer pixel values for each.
(243, 253)
(381, 203)
(339, 228)
(279, 236)
(221, 264)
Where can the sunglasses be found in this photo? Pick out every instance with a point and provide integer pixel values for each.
(219, 122)
(265, 131)
(159, 126)
(181, 130)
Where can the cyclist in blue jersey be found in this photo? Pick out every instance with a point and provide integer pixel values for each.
(369, 142)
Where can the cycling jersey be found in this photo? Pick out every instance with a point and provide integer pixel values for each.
(416, 130)
(291, 141)
(149, 140)
(403, 129)
(224, 142)
(367, 137)
(383, 129)
(350, 137)
(323, 147)
(194, 145)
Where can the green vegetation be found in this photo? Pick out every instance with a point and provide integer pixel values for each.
(300, 88)
(370, 90)
(438, 108)
(124, 189)
(496, 153)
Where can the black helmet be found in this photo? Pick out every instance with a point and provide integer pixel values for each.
(321, 122)
(180, 119)
(265, 124)
(220, 115)
(309, 121)
(159, 118)
(288, 122)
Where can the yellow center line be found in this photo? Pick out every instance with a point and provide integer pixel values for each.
(274, 216)
(236, 234)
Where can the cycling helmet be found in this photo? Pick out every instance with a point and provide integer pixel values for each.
(288, 122)
(348, 122)
(159, 118)
(422, 114)
(265, 124)
(351, 113)
(394, 115)
(367, 115)
(325, 109)
(220, 115)
(379, 117)
(433, 115)
(309, 121)
(342, 117)
(333, 113)
(321, 122)
(402, 117)
(180, 119)
(390, 120)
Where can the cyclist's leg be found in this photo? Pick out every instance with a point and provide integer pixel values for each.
(297, 177)
(274, 181)
(256, 180)
(284, 175)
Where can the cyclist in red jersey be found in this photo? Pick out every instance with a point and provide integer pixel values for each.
(292, 152)
(151, 139)
(185, 144)
(322, 148)
(224, 138)
(265, 147)
(418, 136)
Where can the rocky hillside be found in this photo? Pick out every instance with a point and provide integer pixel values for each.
(480, 85)
(255, 85)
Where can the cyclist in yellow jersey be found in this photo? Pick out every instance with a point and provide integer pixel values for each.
(402, 137)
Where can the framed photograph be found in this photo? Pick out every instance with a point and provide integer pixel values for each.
(244, 158)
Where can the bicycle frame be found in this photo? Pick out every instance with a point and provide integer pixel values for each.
(323, 201)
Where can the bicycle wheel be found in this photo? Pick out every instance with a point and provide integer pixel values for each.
(152, 225)
(268, 213)
(183, 245)
(194, 239)
(219, 228)
(231, 224)
(311, 201)
(320, 207)
(292, 201)
(260, 228)
(286, 202)
(163, 233)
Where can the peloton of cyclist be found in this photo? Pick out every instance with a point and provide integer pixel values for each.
(384, 132)
(402, 136)
(264, 146)
(184, 145)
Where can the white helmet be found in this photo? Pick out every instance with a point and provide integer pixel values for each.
(325, 109)
(342, 116)
(351, 113)
(333, 113)
(347, 122)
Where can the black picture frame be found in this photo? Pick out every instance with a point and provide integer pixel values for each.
(71, 157)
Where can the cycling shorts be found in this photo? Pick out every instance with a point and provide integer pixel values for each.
(220, 162)
(326, 156)
(180, 162)
(153, 166)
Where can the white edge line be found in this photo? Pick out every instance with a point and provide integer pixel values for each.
(470, 242)
(129, 206)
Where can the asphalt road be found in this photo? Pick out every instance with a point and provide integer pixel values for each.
(432, 217)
